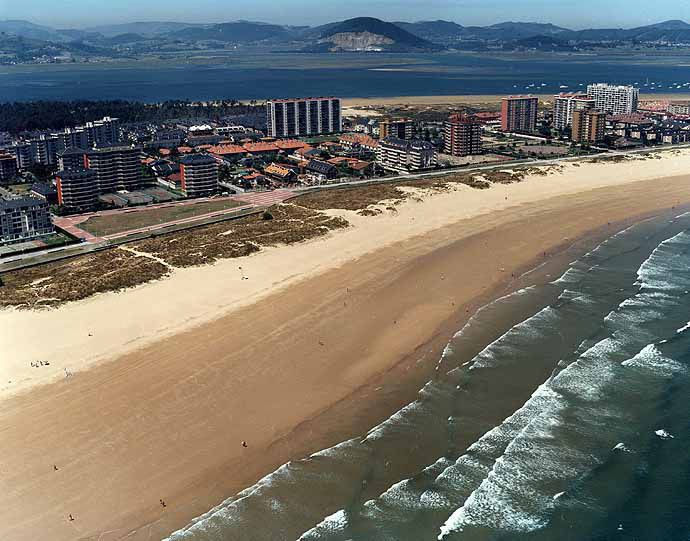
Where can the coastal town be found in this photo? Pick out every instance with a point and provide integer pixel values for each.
(106, 180)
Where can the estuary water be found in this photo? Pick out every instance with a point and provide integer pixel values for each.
(245, 75)
(570, 422)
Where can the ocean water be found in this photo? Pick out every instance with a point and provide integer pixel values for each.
(571, 421)
(260, 76)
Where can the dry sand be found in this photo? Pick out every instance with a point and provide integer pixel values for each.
(178, 372)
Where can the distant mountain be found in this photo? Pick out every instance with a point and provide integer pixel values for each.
(122, 39)
(540, 43)
(28, 30)
(237, 32)
(672, 31)
(370, 34)
(435, 31)
(146, 29)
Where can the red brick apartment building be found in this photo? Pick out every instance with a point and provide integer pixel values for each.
(519, 114)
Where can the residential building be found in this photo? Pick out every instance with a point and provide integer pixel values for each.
(24, 218)
(300, 117)
(77, 188)
(8, 167)
(282, 173)
(564, 105)
(22, 155)
(45, 191)
(679, 108)
(402, 128)
(116, 167)
(402, 155)
(324, 169)
(614, 99)
(462, 136)
(70, 158)
(588, 126)
(199, 175)
(358, 141)
(519, 114)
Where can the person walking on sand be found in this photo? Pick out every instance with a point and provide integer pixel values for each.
(71, 518)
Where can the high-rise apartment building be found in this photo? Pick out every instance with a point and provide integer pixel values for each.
(8, 167)
(616, 100)
(23, 219)
(519, 114)
(199, 174)
(116, 167)
(45, 148)
(301, 117)
(71, 158)
(588, 126)
(462, 136)
(402, 128)
(564, 105)
(403, 155)
(77, 188)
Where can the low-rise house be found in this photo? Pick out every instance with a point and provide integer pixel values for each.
(290, 145)
(231, 153)
(284, 174)
(324, 169)
(262, 150)
(355, 141)
(362, 168)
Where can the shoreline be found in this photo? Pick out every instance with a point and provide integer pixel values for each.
(477, 99)
(382, 314)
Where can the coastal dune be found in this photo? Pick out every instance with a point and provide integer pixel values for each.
(171, 377)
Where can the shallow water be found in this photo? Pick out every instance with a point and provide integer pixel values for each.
(571, 423)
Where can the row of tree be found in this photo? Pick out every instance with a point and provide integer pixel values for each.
(21, 117)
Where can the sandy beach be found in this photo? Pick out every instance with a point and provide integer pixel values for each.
(170, 377)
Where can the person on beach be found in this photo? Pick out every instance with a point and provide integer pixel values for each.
(162, 503)
(71, 518)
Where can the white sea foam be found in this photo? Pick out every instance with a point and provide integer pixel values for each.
(663, 434)
(683, 328)
(653, 360)
(621, 447)
(329, 525)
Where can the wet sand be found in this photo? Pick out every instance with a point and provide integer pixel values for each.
(294, 372)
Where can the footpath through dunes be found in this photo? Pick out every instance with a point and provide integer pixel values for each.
(292, 373)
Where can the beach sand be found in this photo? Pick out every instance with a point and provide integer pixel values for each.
(177, 373)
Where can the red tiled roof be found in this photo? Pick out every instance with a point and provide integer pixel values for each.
(339, 159)
(359, 165)
(260, 147)
(225, 150)
(164, 152)
(274, 169)
(185, 150)
(362, 139)
(290, 144)
(175, 177)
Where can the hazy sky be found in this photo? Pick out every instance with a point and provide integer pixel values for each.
(571, 13)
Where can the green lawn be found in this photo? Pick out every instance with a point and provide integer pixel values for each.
(126, 221)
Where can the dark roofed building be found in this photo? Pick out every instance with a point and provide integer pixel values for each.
(328, 170)
(71, 157)
(45, 191)
(403, 155)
